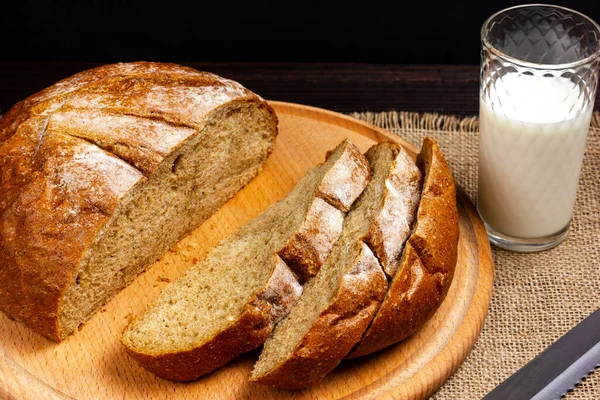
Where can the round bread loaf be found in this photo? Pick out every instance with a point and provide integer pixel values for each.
(103, 172)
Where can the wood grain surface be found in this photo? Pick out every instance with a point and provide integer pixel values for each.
(92, 364)
(343, 87)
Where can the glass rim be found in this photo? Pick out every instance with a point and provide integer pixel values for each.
(530, 64)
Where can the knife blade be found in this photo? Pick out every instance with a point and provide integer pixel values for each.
(558, 368)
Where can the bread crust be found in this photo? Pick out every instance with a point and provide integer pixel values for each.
(54, 202)
(256, 322)
(398, 205)
(353, 167)
(336, 330)
(306, 251)
(428, 259)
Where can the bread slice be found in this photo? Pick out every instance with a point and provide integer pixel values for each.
(339, 303)
(428, 260)
(229, 302)
(103, 172)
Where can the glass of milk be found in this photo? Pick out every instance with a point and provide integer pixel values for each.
(539, 73)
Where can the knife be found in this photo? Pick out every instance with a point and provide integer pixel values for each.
(558, 368)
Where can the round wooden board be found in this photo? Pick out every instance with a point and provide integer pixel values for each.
(92, 364)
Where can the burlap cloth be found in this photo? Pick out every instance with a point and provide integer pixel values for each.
(536, 297)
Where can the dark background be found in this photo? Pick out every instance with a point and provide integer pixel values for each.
(370, 55)
(404, 32)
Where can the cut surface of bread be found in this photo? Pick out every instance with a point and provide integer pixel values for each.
(183, 191)
(104, 171)
(229, 302)
(428, 260)
(339, 303)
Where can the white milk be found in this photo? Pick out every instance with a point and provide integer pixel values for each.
(530, 153)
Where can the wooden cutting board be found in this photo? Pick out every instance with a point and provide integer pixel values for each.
(92, 364)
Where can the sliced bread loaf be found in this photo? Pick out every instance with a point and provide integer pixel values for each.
(103, 172)
(229, 302)
(428, 260)
(339, 303)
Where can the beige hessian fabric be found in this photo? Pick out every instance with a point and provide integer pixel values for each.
(536, 297)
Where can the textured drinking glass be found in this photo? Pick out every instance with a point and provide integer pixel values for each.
(539, 73)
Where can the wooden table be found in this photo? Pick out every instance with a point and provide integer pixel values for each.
(447, 89)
